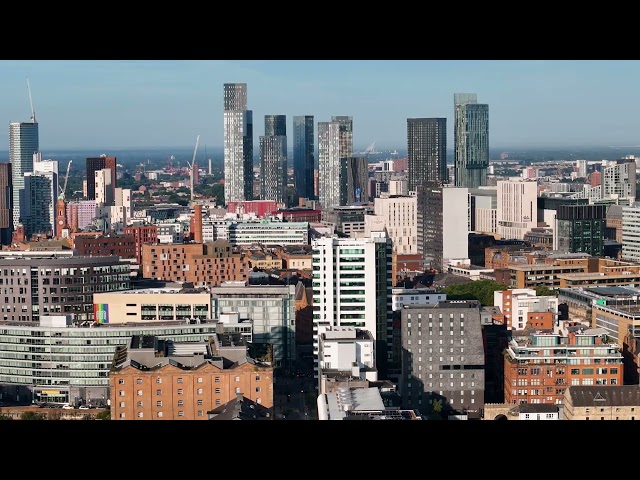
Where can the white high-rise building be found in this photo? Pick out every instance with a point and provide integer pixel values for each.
(103, 188)
(483, 210)
(399, 216)
(238, 144)
(631, 233)
(517, 207)
(329, 164)
(581, 168)
(123, 200)
(23, 144)
(352, 287)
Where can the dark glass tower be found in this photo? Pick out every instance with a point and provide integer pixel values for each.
(273, 159)
(303, 155)
(427, 151)
(471, 138)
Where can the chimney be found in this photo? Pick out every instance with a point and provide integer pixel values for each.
(197, 221)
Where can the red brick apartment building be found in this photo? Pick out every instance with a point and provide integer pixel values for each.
(142, 234)
(203, 264)
(539, 366)
(149, 383)
(123, 246)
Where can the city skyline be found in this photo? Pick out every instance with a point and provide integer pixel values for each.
(164, 103)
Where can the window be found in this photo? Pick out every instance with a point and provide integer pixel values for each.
(159, 414)
(237, 389)
(159, 403)
(217, 390)
(180, 413)
(199, 403)
(121, 404)
(122, 415)
(217, 379)
(199, 379)
(258, 400)
(158, 380)
(218, 402)
(158, 392)
(200, 413)
(181, 403)
(257, 389)
(199, 391)
(257, 378)
(140, 415)
(121, 381)
(121, 393)
(140, 404)
(139, 381)
(180, 391)
(139, 392)
(237, 379)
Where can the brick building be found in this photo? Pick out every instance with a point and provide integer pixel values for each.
(142, 234)
(154, 379)
(203, 264)
(540, 365)
(123, 246)
(621, 402)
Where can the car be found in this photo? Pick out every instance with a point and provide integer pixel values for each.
(66, 406)
(83, 407)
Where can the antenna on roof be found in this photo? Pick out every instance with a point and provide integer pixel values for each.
(33, 112)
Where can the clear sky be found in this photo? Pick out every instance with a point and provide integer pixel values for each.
(167, 103)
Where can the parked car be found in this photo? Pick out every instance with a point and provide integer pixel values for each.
(66, 406)
(84, 407)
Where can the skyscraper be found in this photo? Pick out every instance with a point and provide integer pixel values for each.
(23, 144)
(328, 164)
(471, 138)
(356, 290)
(39, 206)
(238, 144)
(6, 193)
(93, 164)
(346, 134)
(427, 151)
(354, 175)
(273, 168)
(303, 155)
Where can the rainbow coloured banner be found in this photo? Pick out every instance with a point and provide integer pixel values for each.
(101, 312)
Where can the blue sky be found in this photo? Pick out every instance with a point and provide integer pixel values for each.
(158, 103)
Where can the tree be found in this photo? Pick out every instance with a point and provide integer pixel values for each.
(104, 415)
(5, 417)
(543, 291)
(481, 290)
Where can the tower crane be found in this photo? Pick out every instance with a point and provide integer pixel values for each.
(191, 165)
(61, 195)
(33, 112)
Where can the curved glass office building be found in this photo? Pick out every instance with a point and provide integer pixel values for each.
(53, 361)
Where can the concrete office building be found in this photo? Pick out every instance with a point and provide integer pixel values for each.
(238, 144)
(471, 139)
(426, 151)
(57, 284)
(23, 145)
(303, 155)
(483, 210)
(443, 359)
(268, 233)
(442, 224)
(517, 207)
(398, 214)
(152, 305)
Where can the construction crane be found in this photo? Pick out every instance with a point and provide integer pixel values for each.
(192, 164)
(61, 195)
(33, 112)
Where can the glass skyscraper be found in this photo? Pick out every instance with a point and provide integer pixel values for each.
(238, 144)
(471, 138)
(427, 151)
(303, 155)
(23, 144)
